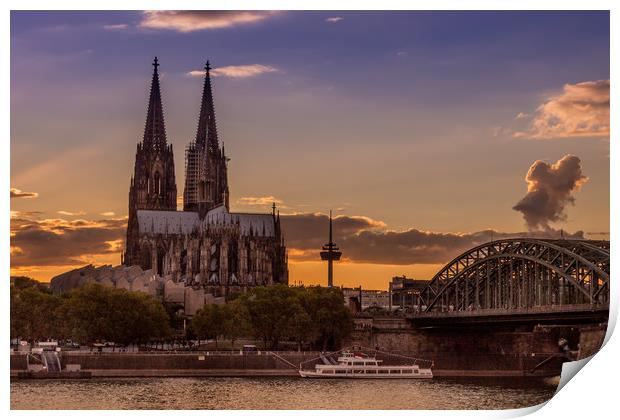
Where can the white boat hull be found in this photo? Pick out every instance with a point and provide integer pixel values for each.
(361, 366)
(314, 374)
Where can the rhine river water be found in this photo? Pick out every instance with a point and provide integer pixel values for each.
(279, 393)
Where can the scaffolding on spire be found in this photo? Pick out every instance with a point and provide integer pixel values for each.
(206, 134)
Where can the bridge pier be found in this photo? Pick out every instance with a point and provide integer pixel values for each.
(503, 349)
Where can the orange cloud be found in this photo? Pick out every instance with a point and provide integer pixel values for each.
(198, 20)
(17, 193)
(69, 213)
(582, 110)
(259, 201)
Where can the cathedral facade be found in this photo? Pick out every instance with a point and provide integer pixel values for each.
(205, 246)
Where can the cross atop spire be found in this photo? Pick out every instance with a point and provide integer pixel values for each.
(155, 129)
(206, 135)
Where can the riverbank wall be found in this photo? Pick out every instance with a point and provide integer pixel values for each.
(198, 365)
(534, 351)
(178, 364)
(482, 350)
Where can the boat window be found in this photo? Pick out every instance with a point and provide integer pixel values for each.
(384, 371)
(358, 371)
(416, 371)
(341, 371)
(406, 370)
(358, 363)
(328, 371)
(394, 370)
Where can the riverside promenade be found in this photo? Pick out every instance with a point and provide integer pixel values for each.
(177, 364)
(272, 364)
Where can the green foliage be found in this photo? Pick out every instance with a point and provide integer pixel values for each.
(99, 313)
(34, 313)
(273, 314)
(23, 282)
(332, 319)
(209, 322)
(88, 314)
(236, 321)
(313, 316)
(270, 312)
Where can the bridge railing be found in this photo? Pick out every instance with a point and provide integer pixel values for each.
(511, 311)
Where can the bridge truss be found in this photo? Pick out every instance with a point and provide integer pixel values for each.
(522, 274)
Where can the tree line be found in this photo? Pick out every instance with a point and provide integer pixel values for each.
(313, 317)
(89, 314)
(310, 316)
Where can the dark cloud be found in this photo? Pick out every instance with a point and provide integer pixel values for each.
(17, 193)
(310, 230)
(365, 240)
(549, 191)
(57, 242)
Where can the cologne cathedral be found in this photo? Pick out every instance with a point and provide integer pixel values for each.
(205, 246)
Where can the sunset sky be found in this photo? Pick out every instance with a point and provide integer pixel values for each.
(425, 132)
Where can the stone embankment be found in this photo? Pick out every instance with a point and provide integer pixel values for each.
(486, 351)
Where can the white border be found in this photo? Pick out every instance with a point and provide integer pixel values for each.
(590, 395)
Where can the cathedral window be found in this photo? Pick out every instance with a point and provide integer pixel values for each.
(161, 253)
(183, 266)
(232, 257)
(157, 184)
(145, 257)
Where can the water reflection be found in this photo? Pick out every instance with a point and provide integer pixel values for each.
(280, 393)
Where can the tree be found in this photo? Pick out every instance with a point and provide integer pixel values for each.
(209, 322)
(236, 323)
(33, 313)
(270, 311)
(330, 316)
(23, 282)
(301, 327)
(100, 313)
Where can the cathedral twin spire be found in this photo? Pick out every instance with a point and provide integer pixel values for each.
(155, 129)
(206, 179)
(206, 135)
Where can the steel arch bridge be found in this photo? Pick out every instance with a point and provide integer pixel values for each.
(522, 274)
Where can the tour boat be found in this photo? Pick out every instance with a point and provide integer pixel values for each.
(359, 365)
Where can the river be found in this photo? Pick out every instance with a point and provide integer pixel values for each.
(279, 393)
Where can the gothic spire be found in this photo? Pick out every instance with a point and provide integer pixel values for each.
(206, 134)
(155, 130)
